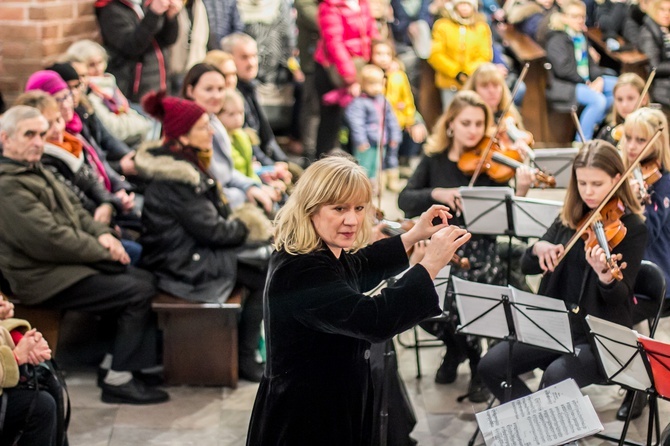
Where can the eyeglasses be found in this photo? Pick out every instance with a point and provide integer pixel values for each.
(64, 98)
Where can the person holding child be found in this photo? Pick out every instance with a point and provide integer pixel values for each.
(372, 124)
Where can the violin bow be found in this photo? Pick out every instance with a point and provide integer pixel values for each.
(645, 90)
(578, 126)
(478, 170)
(595, 213)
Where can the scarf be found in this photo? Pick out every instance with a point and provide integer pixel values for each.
(105, 88)
(581, 54)
(75, 125)
(191, 45)
(95, 162)
(70, 144)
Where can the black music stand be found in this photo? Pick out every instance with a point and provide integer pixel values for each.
(496, 211)
(501, 313)
(624, 361)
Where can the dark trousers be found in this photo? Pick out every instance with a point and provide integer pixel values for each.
(331, 115)
(126, 298)
(252, 310)
(39, 428)
(557, 367)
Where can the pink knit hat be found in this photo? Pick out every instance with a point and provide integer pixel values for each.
(46, 80)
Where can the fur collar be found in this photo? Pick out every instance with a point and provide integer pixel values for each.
(520, 11)
(154, 162)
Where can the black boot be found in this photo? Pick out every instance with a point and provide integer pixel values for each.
(448, 370)
(477, 390)
(628, 405)
(249, 331)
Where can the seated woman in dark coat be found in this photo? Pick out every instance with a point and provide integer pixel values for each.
(189, 239)
(319, 326)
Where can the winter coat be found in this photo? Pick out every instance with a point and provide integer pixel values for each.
(633, 23)
(242, 154)
(457, 49)
(364, 121)
(136, 46)
(611, 18)
(308, 32)
(575, 282)
(526, 16)
(345, 34)
(402, 20)
(48, 241)
(563, 78)
(399, 95)
(188, 238)
(657, 214)
(9, 368)
(650, 42)
(79, 177)
(319, 326)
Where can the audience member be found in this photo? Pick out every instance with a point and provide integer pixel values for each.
(109, 103)
(654, 42)
(626, 93)
(224, 18)
(136, 36)
(308, 37)
(461, 41)
(528, 16)
(190, 239)
(225, 64)
(54, 255)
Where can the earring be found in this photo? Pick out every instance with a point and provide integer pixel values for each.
(450, 132)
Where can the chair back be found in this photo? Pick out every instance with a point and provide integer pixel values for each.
(650, 284)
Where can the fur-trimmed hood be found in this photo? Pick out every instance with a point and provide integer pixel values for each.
(518, 11)
(155, 162)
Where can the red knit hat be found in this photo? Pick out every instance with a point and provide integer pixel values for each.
(177, 115)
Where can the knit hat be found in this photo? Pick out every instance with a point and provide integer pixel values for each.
(65, 70)
(177, 115)
(474, 3)
(46, 80)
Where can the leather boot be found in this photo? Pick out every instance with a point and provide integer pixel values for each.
(628, 405)
(393, 180)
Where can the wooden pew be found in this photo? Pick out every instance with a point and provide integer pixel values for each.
(622, 61)
(199, 340)
(429, 104)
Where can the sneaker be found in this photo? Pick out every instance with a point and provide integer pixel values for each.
(448, 370)
(132, 392)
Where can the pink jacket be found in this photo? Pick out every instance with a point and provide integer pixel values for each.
(345, 33)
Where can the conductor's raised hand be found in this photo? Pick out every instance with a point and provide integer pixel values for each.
(424, 228)
(442, 247)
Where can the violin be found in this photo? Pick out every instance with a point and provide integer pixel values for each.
(607, 231)
(392, 228)
(542, 178)
(498, 172)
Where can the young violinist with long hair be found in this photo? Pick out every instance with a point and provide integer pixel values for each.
(638, 129)
(627, 91)
(460, 129)
(580, 277)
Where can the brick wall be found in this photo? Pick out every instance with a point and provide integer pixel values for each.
(34, 32)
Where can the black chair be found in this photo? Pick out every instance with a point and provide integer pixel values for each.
(649, 284)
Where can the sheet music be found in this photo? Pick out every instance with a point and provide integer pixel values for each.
(471, 306)
(484, 209)
(541, 321)
(557, 162)
(533, 216)
(616, 346)
(441, 282)
(552, 416)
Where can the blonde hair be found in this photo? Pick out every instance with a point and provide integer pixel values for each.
(631, 79)
(371, 73)
(439, 140)
(653, 7)
(488, 73)
(230, 95)
(331, 180)
(557, 19)
(37, 99)
(646, 122)
(601, 155)
(217, 57)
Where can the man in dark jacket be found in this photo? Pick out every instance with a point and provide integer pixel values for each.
(136, 38)
(55, 255)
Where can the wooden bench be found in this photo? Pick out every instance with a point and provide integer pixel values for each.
(622, 61)
(199, 340)
(46, 321)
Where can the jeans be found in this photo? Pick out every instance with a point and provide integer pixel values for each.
(595, 105)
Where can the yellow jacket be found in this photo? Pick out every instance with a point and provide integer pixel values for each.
(399, 94)
(458, 48)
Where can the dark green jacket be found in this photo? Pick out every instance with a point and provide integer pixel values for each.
(48, 241)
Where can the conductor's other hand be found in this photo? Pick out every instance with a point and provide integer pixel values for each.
(424, 228)
(443, 245)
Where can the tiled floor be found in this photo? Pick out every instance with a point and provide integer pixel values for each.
(216, 416)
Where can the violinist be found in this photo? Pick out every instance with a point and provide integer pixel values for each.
(489, 83)
(627, 93)
(582, 279)
(436, 181)
(638, 128)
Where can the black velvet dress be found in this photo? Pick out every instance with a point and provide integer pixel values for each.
(319, 326)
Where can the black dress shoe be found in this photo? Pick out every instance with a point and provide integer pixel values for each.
(148, 379)
(627, 405)
(250, 370)
(448, 370)
(132, 392)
